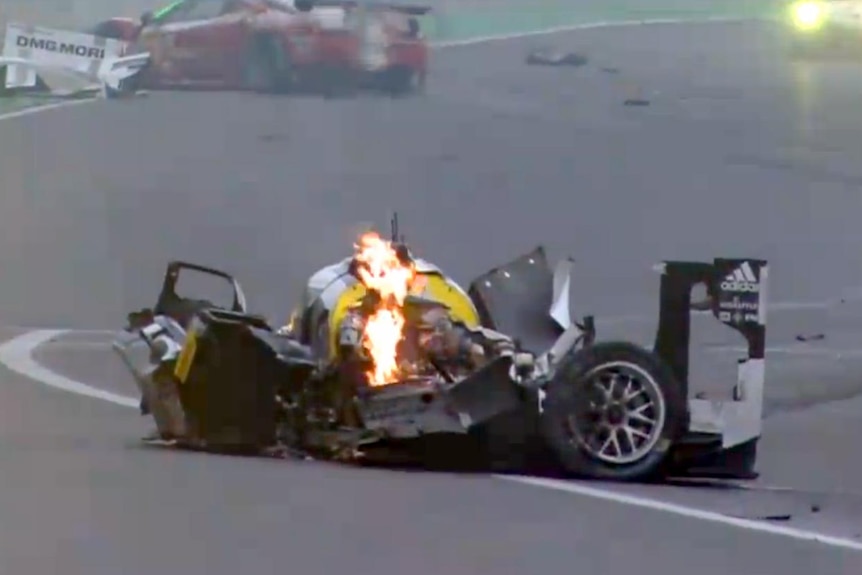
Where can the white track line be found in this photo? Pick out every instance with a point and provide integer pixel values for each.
(94, 332)
(44, 108)
(687, 512)
(790, 350)
(453, 44)
(17, 355)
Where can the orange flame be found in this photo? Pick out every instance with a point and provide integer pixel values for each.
(382, 273)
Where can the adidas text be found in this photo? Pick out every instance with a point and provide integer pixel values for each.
(734, 286)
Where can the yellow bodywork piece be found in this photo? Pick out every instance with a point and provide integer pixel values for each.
(186, 358)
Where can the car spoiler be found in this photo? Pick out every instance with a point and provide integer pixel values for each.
(410, 9)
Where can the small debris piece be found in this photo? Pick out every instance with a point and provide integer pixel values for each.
(550, 57)
(812, 337)
(777, 517)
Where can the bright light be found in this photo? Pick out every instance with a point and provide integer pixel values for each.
(808, 15)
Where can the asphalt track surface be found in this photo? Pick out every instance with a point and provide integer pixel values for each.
(741, 152)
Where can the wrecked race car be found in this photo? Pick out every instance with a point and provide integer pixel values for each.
(386, 354)
(278, 46)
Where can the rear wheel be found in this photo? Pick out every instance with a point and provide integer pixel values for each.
(613, 412)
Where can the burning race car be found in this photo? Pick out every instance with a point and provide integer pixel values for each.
(277, 45)
(387, 355)
(826, 27)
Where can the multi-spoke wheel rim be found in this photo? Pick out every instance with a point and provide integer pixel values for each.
(623, 413)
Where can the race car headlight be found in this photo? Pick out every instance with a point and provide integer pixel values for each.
(807, 15)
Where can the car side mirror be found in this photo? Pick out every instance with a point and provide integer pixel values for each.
(146, 18)
(304, 5)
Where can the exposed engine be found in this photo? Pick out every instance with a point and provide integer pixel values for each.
(432, 345)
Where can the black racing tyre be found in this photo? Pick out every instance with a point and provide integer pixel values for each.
(266, 66)
(612, 412)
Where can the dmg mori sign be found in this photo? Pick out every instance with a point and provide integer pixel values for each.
(61, 47)
(41, 48)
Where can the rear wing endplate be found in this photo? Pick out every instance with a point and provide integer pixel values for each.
(737, 297)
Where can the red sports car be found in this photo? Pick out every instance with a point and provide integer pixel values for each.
(277, 45)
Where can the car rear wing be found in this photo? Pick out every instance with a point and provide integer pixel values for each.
(737, 297)
(409, 9)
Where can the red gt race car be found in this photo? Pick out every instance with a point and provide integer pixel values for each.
(277, 45)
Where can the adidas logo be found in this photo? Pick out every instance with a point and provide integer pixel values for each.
(742, 279)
